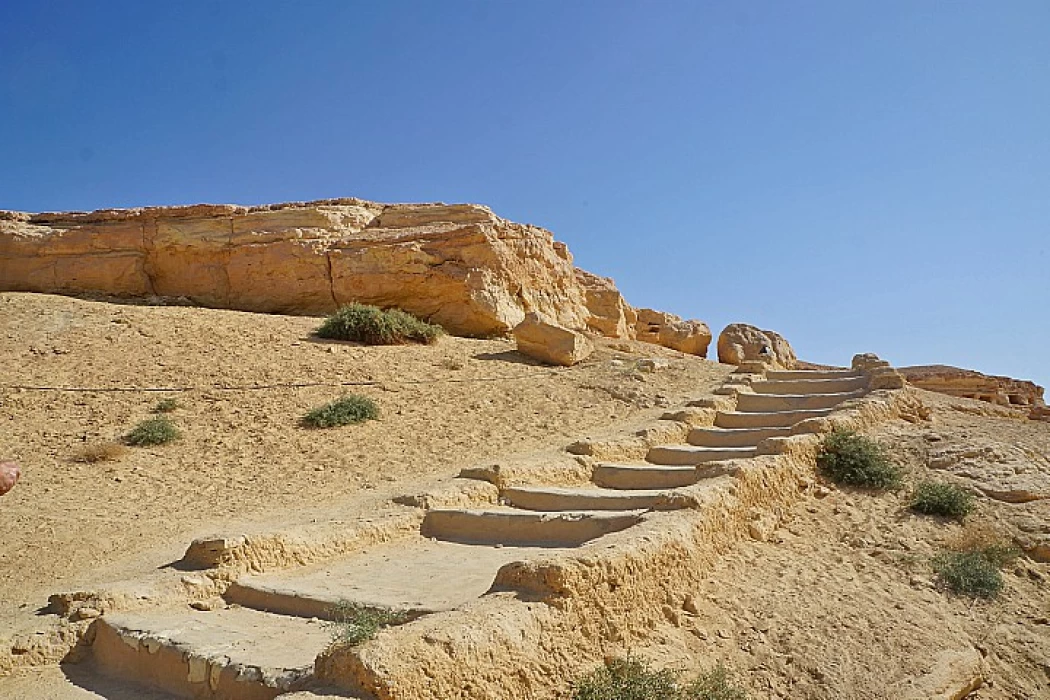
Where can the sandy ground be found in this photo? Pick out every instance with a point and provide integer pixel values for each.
(839, 602)
(243, 455)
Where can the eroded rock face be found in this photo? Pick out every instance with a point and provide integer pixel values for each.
(969, 384)
(691, 337)
(540, 339)
(609, 314)
(458, 265)
(739, 342)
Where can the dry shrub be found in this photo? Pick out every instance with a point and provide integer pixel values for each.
(100, 452)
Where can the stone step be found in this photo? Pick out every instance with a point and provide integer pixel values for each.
(642, 476)
(414, 575)
(555, 498)
(691, 455)
(772, 419)
(764, 403)
(810, 386)
(733, 437)
(780, 374)
(523, 527)
(230, 654)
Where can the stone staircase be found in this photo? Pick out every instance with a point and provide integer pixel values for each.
(264, 640)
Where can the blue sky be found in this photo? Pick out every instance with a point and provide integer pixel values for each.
(859, 176)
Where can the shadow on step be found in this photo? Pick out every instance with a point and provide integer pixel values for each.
(85, 675)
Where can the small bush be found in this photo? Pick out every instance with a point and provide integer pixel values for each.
(848, 458)
(969, 573)
(100, 452)
(165, 405)
(627, 679)
(634, 679)
(153, 431)
(374, 326)
(715, 684)
(343, 411)
(939, 498)
(353, 623)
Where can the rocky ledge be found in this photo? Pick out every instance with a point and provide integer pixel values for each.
(459, 265)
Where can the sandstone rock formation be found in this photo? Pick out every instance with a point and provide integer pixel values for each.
(969, 384)
(609, 314)
(739, 342)
(660, 328)
(540, 339)
(460, 266)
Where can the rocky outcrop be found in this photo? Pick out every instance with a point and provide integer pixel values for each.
(608, 313)
(691, 337)
(547, 342)
(739, 342)
(969, 384)
(458, 265)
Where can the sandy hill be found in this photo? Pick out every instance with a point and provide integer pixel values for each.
(832, 597)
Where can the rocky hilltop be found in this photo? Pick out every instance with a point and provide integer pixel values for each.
(970, 384)
(458, 265)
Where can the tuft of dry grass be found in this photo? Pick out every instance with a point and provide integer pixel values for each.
(100, 452)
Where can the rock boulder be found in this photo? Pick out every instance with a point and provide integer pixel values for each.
(739, 342)
(660, 328)
(540, 339)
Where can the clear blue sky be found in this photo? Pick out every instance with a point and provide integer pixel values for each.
(860, 176)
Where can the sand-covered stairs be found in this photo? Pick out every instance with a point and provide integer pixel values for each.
(265, 642)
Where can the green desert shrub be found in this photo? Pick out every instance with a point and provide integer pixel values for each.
(343, 411)
(715, 684)
(940, 498)
(854, 460)
(969, 573)
(165, 405)
(353, 623)
(633, 679)
(374, 326)
(153, 431)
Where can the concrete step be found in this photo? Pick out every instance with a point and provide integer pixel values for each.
(642, 476)
(810, 386)
(733, 437)
(691, 455)
(772, 419)
(522, 527)
(231, 654)
(415, 575)
(764, 403)
(555, 498)
(781, 374)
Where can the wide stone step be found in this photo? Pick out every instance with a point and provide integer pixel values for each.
(772, 419)
(231, 654)
(556, 498)
(522, 527)
(414, 575)
(684, 455)
(764, 403)
(810, 386)
(811, 374)
(733, 437)
(642, 476)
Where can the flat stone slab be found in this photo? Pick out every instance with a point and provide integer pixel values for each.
(417, 576)
(231, 653)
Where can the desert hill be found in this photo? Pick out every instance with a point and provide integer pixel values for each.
(829, 597)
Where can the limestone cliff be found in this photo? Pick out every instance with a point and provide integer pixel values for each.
(458, 265)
